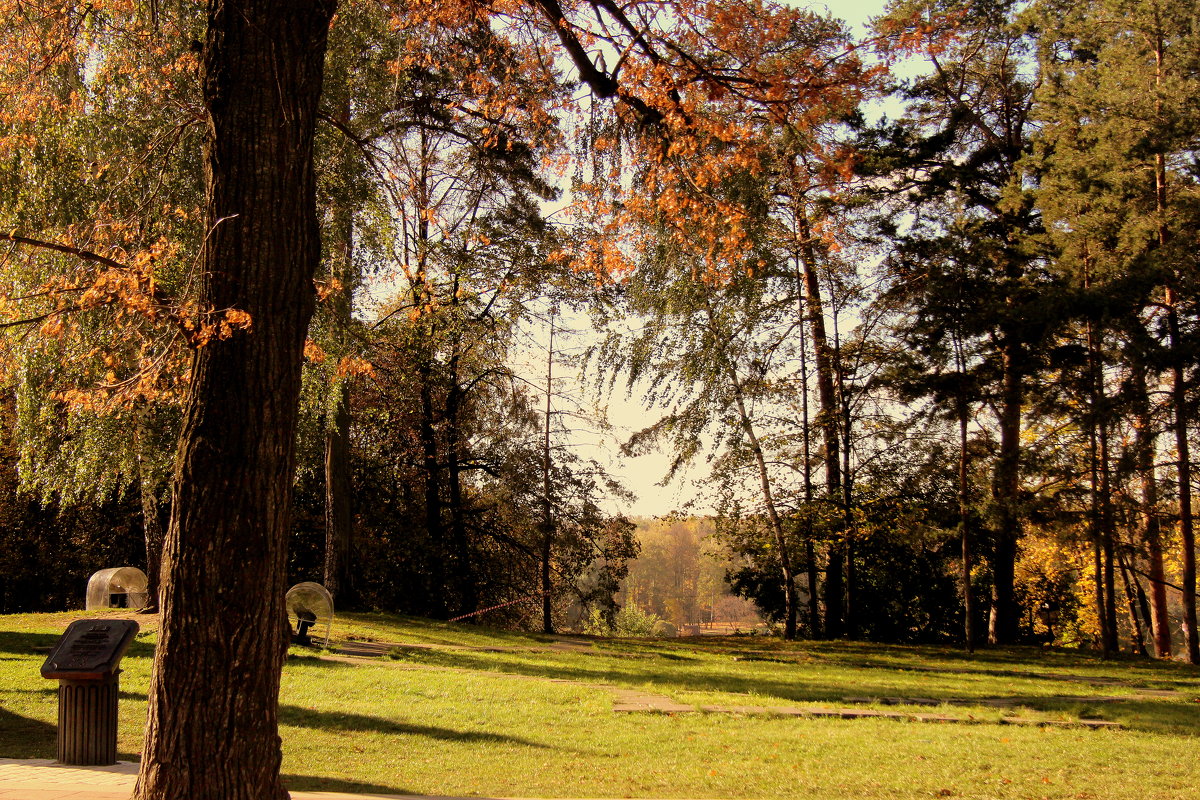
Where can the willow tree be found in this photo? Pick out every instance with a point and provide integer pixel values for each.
(100, 206)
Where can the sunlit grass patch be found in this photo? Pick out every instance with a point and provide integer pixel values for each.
(461, 710)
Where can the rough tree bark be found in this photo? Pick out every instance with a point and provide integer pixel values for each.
(212, 729)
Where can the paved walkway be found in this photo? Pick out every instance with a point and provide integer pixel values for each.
(42, 779)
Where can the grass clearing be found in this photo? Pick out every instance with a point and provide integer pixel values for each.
(467, 711)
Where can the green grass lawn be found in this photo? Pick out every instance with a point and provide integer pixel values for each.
(468, 711)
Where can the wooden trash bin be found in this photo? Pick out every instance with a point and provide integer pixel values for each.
(85, 662)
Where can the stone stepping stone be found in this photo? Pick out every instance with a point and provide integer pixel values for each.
(894, 701)
(634, 701)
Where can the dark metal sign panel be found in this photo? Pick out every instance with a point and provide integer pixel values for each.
(91, 649)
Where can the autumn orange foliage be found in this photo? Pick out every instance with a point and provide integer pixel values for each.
(676, 100)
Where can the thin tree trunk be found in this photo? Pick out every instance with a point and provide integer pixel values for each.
(1145, 448)
(810, 550)
(964, 491)
(152, 529)
(1135, 623)
(764, 481)
(1142, 601)
(827, 418)
(339, 512)
(431, 469)
(1094, 534)
(1108, 536)
(339, 521)
(1003, 619)
(964, 532)
(464, 571)
(1191, 637)
(849, 624)
(547, 498)
(1098, 587)
(212, 728)
(1102, 511)
(153, 534)
(1095, 525)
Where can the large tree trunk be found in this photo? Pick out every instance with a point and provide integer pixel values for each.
(212, 730)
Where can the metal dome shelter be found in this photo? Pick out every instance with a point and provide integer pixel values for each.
(117, 587)
(309, 604)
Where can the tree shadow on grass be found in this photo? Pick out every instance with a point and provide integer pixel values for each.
(1134, 680)
(25, 737)
(27, 644)
(316, 783)
(1168, 716)
(50, 690)
(36, 646)
(336, 720)
(1172, 719)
